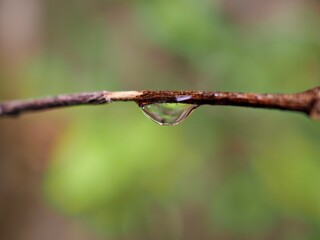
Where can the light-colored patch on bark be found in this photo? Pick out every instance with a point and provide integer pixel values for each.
(125, 95)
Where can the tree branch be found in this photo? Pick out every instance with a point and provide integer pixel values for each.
(307, 102)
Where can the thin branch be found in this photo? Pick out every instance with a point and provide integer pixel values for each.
(307, 102)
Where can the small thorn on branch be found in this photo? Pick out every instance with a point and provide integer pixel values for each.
(315, 111)
(315, 106)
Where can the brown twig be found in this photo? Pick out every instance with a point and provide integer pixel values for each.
(307, 102)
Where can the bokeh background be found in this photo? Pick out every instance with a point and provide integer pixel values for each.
(107, 172)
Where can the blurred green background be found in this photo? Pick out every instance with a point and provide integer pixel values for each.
(107, 172)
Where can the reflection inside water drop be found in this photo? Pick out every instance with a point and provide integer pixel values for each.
(168, 114)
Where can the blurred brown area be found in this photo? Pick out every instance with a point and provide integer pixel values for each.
(24, 150)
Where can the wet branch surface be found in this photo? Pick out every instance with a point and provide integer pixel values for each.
(307, 102)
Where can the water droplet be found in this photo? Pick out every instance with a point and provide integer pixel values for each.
(168, 114)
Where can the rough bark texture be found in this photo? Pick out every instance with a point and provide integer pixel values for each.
(307, 102)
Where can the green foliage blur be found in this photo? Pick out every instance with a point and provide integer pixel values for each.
(224, 173)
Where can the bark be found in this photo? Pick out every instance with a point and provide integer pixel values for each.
(307, 102)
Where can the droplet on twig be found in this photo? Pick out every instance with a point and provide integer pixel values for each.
(168, 114)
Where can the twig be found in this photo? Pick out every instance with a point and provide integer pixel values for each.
(307, 102)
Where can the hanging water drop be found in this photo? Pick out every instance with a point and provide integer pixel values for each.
(168, 114)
